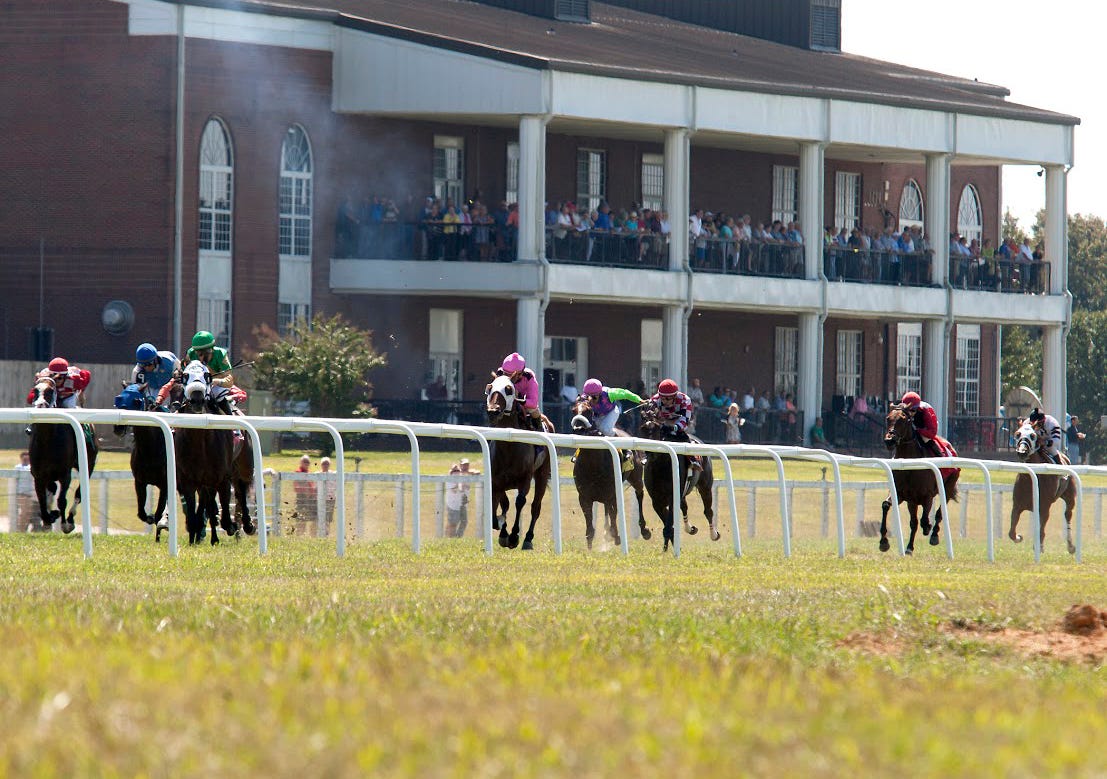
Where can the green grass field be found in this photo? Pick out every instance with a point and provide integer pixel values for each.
(223, 663)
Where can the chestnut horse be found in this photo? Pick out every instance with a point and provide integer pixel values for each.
(1028, 443)
(916, 488)
(658, 477)
(514, 465)
(593, 478)
(53, 450)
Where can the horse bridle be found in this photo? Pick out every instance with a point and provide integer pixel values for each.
(1029, 441)
(40, 389)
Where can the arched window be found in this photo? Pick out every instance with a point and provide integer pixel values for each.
(213, 278)
(911, 205)
(970, 220)
(294, 286)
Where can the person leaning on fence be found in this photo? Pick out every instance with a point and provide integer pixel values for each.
(26, 513)
(330, 490)
(306, 496)
(457, 502)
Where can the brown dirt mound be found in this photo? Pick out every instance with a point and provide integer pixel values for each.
(1084, 620)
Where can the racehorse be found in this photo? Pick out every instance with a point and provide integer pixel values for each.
(592, 475)
(147, 456)
(658, 477)
(917, 488)
(53, 451)
(242, 478)
(1028, 447)
(205, 462)
(514, 465)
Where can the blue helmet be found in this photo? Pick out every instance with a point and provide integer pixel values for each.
(146, 353)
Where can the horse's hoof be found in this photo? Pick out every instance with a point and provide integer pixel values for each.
(503, 541)
(589, 540)
(715, 535)
(909, 550)
(1015, 537)
(646, 533)
(924, 526)
(528, 545)
(513, 541)
(934, 540)
(68, 527)
(1072, 548)
(692, 530)
(884, 545)
(250, 528)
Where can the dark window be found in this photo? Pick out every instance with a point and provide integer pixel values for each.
(826, 24)
(572, 10)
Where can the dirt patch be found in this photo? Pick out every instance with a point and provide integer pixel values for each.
(1081, 636)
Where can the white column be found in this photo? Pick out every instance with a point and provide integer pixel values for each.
(528, 338)
(1053, 371)
(811, 177)
(936, 356)
(1057, 228)
(937, 215)
(673, 364)
(676, 194)
(532, 188)
(809, 391)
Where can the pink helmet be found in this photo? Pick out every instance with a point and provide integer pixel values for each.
(911, 399)
(593, 387)
(514, 362)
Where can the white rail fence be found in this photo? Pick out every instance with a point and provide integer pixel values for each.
(833, 500)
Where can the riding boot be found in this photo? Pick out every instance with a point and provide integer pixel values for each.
(694, 471)
(932, 447)
(628, 461)
(576, 454)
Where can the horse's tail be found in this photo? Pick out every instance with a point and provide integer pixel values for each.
(952, 493)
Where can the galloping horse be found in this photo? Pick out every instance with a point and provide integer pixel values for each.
(53, 451)
(658, 477)
(592, 475)
(514, 465)
(1050, 487)
(917, 488)
(205, 462)
(147, 455)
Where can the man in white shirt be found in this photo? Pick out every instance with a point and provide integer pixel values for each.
(27, 512)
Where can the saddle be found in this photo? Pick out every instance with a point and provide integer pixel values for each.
(947, 451)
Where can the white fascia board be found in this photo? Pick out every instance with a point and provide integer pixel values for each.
(410, 277)
(882, 126)
(758, 293)
(602, 98)
(617, 285)
(990, 307)
(152, 17)
(378, 74)
(1014, 140)
(881, 300)
(754, 113)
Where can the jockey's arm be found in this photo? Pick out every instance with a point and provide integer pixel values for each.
(226, 380)
(618, 394)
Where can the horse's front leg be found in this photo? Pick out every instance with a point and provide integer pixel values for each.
(638, 494)
(913, 510)
(665, 514)
(1016, 512)
(936, 532)
(48, 514)
(67, 524)
(188, 497)
(1070, 504)
(520, 501)
(708, 508)
(885, 507)
(612, 512)
(535, 510)
(242, 496)
(140, 498)
(589, 524)
(688, 528)
(499, 516)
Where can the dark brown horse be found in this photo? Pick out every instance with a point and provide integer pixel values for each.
(53, 451)
(658, 477)
(514, 465)
(148, 461)
(205, 465)
(594, 480)
(916, 488)
(1050, 487)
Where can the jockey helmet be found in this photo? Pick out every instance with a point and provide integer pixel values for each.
(58, 365)
(514, 362)
(1036, 415)
(203, 340)
(593, 387)
(146, 354)
(667, 388)
(911, 399)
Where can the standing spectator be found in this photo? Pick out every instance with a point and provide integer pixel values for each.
(696, 393)
(457, 500)
(1074, 438)
(330, 492)
(733, 423)
(569, 391)
(27, 512)
(306, 495)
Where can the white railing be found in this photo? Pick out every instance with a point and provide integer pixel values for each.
(413, 431)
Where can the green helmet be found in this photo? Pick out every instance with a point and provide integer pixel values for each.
(203, 340)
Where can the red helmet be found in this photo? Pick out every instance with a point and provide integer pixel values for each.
(667, 388)
(911, 399)
(58, 365)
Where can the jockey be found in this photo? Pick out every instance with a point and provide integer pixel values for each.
(69, 381)
(925, 420)
(674, 409)
(605, 403)
(216, 358)
(154, 368)
(526, 388)
(1050, 432)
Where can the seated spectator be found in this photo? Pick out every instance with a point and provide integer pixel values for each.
(437, 390)
(717, 399)
(569, 392)
(818, 435)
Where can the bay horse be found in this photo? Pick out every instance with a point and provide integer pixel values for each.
(53, 451)
(593, 479)
(205, 462)
(658, 477)
(148, 461)
(1028, 447)
(514, 465)
(916, 488)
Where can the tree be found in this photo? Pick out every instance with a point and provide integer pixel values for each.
(325, 362)
(1021, 361)
(1011, 228)
(1087, 353)
(1087, 262)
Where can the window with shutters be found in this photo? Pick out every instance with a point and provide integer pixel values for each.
(786, 360)
(653, 181)
(908, 358)
(967, 402)
(572, 10)
(849, 363)
(511, 191)
(847, 200)
(216, 217)
(785, 193)
(826, 25)
(449, 168)
(591, 178)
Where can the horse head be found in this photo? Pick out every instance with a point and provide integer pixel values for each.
(197, 382)
(44, 394)
(1027, 441)
(584, 420)
(899, 427)
(500, 402)
(652, 426)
